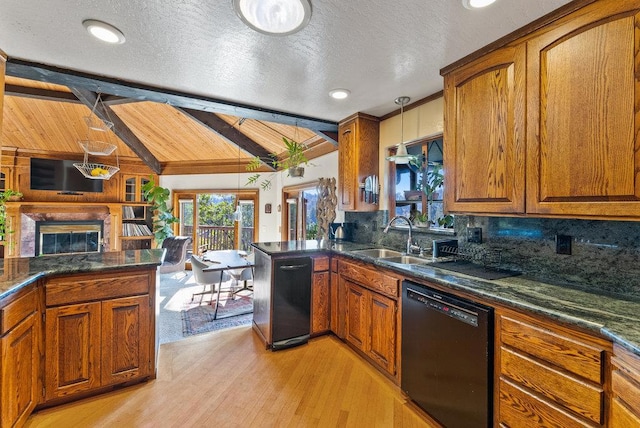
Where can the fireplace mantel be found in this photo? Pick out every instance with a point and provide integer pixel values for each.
(111, 213)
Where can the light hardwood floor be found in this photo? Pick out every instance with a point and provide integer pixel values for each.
(228, 379)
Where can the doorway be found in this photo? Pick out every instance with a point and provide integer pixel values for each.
(300, 212)
(218, 219)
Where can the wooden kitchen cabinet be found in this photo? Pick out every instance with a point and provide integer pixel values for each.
(625, 389)
(99, 331)
(582, 139)
(370, 313)
(548, 374)
(320, 296)
(358, 142)
(20, 346)
(484, 134)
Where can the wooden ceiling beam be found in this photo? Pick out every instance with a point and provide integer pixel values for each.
(228, 132)
(104, 85)
(105, 113)
(40, 94)
(330, 136)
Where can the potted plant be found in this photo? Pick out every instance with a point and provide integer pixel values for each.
(163, 218)
(5, 196)
(293, 163)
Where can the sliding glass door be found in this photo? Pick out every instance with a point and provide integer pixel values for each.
(300, 212)
(218, 220)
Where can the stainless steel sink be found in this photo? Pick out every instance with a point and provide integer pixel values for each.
(407, 260)
(378, 253)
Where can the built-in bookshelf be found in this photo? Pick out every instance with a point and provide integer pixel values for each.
(136, 227)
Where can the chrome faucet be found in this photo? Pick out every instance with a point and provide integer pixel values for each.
(410, 245)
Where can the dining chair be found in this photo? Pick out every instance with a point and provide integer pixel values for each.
(212, 278)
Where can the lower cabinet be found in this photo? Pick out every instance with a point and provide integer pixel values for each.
(625, 389)
(320, 296)
(547, 375)
(95, 344)
(19, 368)
(370, 318)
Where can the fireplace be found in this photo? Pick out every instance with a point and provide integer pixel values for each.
(68, 237)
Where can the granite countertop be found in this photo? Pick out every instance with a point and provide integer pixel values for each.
(16, 273)
(614, 317)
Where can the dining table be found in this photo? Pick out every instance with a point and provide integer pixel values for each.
(230, 261)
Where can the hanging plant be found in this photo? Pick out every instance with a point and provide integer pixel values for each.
(292, 163)
(163, 218)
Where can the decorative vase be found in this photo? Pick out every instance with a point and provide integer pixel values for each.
(297, 171)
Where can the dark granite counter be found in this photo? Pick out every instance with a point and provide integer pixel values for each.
(290, 248)
(16, 273)
(613, 317)
(617, 318)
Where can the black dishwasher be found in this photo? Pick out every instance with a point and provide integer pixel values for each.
(447, 356)
(291, 302)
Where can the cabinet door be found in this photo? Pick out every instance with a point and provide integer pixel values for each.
(125, 345)
(357, 322)
(383, 331)
(358, 141)
(484, 137)
(583, 128)
(19, 370)
(347, 159)
(320, 303)
(72, 340)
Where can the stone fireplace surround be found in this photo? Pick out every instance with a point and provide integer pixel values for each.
(28, 226)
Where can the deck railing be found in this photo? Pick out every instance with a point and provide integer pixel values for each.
(219, 237)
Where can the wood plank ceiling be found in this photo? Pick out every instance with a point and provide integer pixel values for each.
(48, 118)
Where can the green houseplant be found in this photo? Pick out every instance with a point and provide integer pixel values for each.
(293, 163)
(5, 196)
(163, 218)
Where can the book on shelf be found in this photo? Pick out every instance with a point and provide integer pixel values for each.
(134, 229)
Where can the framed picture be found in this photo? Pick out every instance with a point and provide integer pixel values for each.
(267, 208)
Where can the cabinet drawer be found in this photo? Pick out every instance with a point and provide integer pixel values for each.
(621, 416)
(16, 311)
(320, 264)
(625, 378)
(520, 408)
(85, 288)
(370, 278)
(571, 392)
(570, 354)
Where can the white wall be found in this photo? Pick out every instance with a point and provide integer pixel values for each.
(269, 224)
(420, 122)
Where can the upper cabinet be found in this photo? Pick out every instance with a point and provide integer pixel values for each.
(484, 134)
(358, 141)
(132, 187)
(573, 83)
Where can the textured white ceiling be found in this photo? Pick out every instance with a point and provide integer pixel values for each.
(378, 49)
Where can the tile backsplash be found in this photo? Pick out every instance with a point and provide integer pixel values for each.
(605, 255)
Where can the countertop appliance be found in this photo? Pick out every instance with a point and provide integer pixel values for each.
(341, 231)
(291, 317)
(447, 358)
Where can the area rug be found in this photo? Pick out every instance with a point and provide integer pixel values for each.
(198, 318)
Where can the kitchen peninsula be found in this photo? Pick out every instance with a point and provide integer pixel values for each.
(75, 325)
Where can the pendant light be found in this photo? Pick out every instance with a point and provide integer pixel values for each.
(401, 156)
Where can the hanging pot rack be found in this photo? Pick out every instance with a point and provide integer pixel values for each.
(97, 170)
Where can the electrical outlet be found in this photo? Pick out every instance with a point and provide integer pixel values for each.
(563, 244)
(474, 235)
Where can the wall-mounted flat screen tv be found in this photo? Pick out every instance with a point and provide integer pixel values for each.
(61, 176)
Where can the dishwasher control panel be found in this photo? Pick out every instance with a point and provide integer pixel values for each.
(444, 305)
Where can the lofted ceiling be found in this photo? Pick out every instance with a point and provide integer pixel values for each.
(184, 52)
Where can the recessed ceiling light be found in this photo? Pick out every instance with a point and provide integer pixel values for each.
(476, 4)
(277, 17)
(339, 94)
(103, 31)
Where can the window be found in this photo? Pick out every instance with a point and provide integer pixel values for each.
(418, 189)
